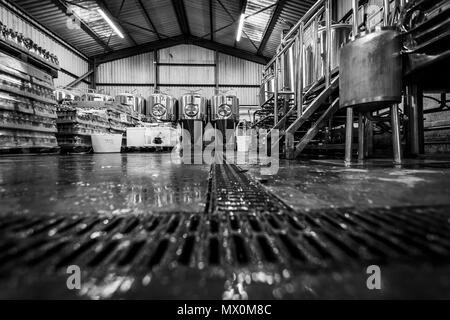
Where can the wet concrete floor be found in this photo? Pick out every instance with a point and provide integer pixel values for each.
(101, 183)
(328, 183)
(154, 186)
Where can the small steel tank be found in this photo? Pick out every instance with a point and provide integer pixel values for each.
(141, 105)
(371, 70)
(224, 107)
(192, 107)
(162, 107)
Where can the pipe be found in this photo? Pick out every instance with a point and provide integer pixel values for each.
(300, 72)
(328, 42)
(386, 9)
(355, 17)
(275, 94)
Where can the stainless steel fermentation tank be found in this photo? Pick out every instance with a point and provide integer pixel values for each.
(162, 107)
(371, 71)
(287, 82)
(192, 114)
(225, 115)
(315, 53)
(136, 103)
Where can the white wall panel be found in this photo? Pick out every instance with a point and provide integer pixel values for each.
(144, 91)
(135, 69)
(186, 75)
(235, 71)
(186, 54)
(177, 92)
(247, 96)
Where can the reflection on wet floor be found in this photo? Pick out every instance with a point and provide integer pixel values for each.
(103, 183)
(309, 185)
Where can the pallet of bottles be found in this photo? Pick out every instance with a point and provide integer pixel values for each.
(27, 108)
(78, 120)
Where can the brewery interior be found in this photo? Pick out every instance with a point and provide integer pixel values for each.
(330, 128)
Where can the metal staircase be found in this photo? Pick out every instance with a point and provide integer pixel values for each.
(302, 118)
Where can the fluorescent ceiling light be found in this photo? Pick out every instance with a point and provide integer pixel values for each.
(111, 24)
(241, 26)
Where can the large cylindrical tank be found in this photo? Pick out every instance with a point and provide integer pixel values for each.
(162, 107)
(288, 69)
(371, 70)
(316, 53)
(339, 36)
(192, 107)
(224, 107)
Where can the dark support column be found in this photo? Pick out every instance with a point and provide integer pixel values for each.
(414, 111)
(216, 72)
(396, 143)
(368, 146)
(155, 66)
(93, 67)
(349, 136)
(361, 137)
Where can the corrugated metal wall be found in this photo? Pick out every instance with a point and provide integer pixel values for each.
(234, 71)
(241, 76)
(136, 69)
(69, 61)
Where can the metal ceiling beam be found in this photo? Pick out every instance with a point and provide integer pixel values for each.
(170, 42)
(147, 17)
(271, 25)
(142, 48)
(180, 11)
(62, 6)
(105, 9)
(239, 53)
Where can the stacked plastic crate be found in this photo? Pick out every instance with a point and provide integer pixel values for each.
(27, 107)
(78, 120)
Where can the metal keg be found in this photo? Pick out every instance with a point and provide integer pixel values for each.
(371, 70)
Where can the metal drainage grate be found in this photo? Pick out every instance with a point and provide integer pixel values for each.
(244, 226)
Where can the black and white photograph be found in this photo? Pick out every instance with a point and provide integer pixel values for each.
(224, 157)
